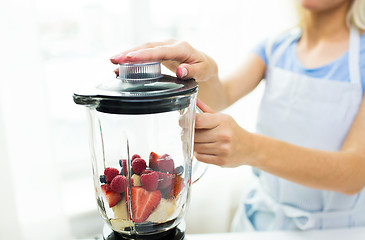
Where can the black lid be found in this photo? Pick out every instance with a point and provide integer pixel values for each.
(139, 89)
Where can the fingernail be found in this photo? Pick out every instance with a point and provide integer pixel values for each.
(131, 54)
(115, 57)
(184, 72)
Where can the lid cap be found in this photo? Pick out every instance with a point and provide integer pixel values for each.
(139, 72)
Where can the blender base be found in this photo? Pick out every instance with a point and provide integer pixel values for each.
(176, 233)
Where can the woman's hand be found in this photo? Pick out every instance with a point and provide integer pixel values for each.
(178, 56)
(219, 140)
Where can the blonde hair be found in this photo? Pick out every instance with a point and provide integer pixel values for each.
(356, 14)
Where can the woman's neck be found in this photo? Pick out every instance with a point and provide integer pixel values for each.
(325, 25)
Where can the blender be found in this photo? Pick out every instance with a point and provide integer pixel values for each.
(141, 139)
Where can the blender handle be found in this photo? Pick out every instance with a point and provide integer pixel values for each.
(198, 168)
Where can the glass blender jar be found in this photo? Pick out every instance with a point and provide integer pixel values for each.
(141, 138)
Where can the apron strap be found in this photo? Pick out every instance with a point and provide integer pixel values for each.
(273, 57)
(354, 52)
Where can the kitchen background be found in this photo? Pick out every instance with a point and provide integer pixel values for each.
(50, 48)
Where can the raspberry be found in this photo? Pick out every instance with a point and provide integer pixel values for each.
(149, 181)
(135, 156)
(166, 164)
(139, 165)
(110, 173)
(119, 184)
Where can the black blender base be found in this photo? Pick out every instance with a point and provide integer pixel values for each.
(176, 233)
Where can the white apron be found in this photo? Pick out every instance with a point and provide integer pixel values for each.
(313, 113)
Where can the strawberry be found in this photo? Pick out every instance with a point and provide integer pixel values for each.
(110, 173)
(153, 161)
(119, 184)
(179, 185)
(165, 180)
(166, 164)
(138, 165)
(149, 181)
(143, 203)
(112, 198)
(106, 188)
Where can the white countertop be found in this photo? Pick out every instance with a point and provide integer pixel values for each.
(337, 234)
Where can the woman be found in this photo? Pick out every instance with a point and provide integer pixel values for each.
(309, 147)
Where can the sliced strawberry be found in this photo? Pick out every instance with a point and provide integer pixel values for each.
(153, 161)
(106, 188)
(113, 198)
(179, 185)
(143, 203)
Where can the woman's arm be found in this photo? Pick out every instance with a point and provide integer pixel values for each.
(188, 62)
(219, 140)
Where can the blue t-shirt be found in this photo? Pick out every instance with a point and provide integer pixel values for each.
(336, 70)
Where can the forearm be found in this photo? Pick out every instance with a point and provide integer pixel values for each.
(220, 94)
(342, 171)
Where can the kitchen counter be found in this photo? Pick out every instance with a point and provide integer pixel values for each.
(337, 234)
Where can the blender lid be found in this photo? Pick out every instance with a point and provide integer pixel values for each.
(139, 89)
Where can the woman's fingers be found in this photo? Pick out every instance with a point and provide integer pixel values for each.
(207, 158)
(212, 148)
(179, 51)
(121, 57)
(205, 148)
(205, 135)
(178, 56)
(206, 121)
(204, 107)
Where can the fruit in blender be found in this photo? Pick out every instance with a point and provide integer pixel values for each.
(166, 164)
(138, 165)
(163, 211)
(112, 198)
(119, 184)
(149, 181)
(153, 160)
(120, 210)
(136, 180)
(165, 180)
(179, 170)
(110, 173)
(154, 189)
(102, 179)
(135, 156)
(143, 203)
(179, 185)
